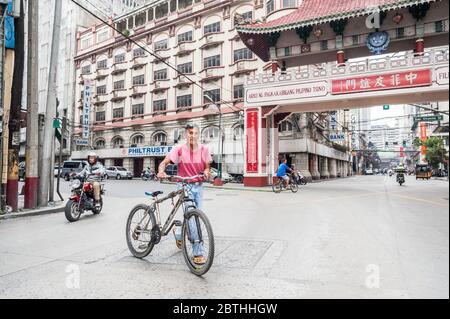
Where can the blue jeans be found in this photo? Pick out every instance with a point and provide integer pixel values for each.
(195, 193)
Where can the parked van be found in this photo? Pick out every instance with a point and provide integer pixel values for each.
(70, 167)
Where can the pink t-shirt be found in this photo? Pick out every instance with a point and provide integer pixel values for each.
(190, 163)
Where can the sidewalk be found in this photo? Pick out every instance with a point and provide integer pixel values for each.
(58, 208)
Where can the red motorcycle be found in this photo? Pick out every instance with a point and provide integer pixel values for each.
(82, 199)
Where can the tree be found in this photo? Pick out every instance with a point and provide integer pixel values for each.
(436, 152)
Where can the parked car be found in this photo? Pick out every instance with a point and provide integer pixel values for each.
(70, 167)
(118, 173)
(22, 173)
(225, 176)
(369, 172)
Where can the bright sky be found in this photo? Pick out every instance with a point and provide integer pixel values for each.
(378, 112)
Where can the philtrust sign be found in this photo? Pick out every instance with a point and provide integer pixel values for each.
(156, 151)
(286, 92)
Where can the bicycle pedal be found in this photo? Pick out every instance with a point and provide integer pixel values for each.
(178, 223)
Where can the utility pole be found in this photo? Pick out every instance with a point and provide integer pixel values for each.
(32, 147)
(49, 131)
(2, 67)
(12, 192)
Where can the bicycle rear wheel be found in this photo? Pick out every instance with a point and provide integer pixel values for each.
(198, 239)
(277, 187)
(138, 231)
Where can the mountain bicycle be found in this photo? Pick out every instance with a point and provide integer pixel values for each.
(144, 229)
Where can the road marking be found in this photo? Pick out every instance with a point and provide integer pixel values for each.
(419, 200)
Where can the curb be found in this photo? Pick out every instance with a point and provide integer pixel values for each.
(45, 211)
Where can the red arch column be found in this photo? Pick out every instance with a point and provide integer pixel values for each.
(261, 147)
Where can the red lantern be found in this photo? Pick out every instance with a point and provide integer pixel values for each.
(420, 47)
(341, 58)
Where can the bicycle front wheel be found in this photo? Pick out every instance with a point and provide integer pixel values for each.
(294, 188)
(198, 242)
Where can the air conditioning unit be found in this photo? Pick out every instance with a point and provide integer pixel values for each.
(209, 39)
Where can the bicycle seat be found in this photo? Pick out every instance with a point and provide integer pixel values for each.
(154, 194)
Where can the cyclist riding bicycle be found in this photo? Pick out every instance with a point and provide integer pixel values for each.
(282, 172)
(191, 158)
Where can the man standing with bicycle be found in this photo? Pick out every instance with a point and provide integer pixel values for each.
(192, 158)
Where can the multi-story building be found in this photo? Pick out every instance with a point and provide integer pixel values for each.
(184, 59)
(74, 19)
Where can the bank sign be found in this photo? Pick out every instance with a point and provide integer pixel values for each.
(154, 151)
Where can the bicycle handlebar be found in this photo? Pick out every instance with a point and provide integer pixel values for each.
(186, 179)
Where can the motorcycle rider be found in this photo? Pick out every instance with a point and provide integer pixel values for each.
(93, 173)
(400, 170)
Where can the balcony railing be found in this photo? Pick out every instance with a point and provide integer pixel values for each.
(212, 40)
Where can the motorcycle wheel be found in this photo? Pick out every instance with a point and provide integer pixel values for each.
(72, 212)
(95, 211)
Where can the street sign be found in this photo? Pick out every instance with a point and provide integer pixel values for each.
(81, 142)
(337, 137)
(431, 118)
(56, 123)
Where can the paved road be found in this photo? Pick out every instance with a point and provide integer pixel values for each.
(363, 237)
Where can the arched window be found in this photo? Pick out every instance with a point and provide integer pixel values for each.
(100, 144)
(210, 134)
(286, 126)
(117, 142)
(138, 140)
(160, 139)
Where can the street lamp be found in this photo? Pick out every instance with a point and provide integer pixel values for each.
(218, 180)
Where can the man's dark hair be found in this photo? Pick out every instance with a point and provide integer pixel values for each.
(191, 127)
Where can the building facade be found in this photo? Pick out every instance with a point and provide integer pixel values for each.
(141, 101)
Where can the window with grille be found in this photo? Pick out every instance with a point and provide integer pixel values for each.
(185, 67)
(270, 6)
(118, 113)
(211, 28)
(103, 64)
(173, 5)
(243, 54)
(139, 80)
(160, 139)
(100, 145)
(138, 109)
(161, 45)
(138, 52)
(184, 101)
(210, 134)
(101, 90)
(102, 36)
(160, 75)
(160, 105)
(119, 58)
(118, 142)
(151, 14)
(140, 19)
(247, 16)
(286, 126)
(182, 4)
(213, 94)
(238, 91)
(185, 37)
(86, 43)
(119, 85)
(86, 69)
(211, 61)
(100, 116)
(138, 140)
(162, 10)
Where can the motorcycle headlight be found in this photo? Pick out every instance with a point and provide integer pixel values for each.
(76, 184)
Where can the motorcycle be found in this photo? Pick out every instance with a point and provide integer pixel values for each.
(82, 199)
(401, 179)
(146, 176)
(300, 180)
